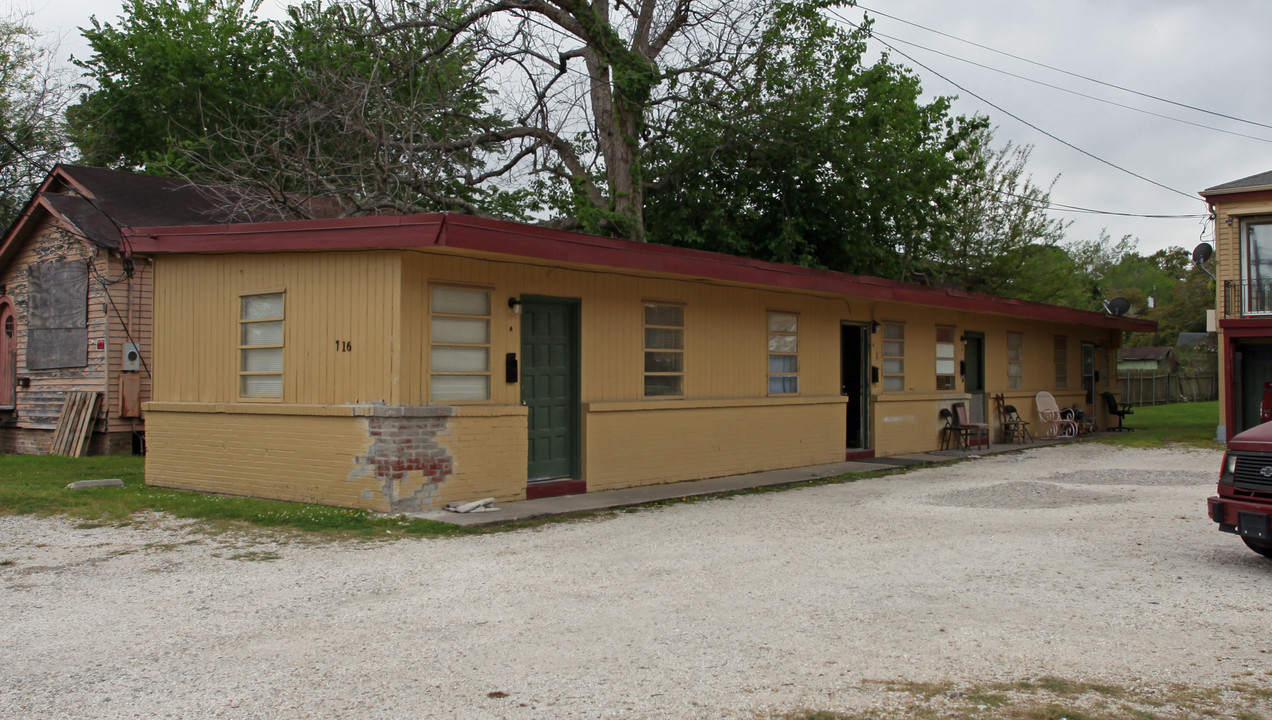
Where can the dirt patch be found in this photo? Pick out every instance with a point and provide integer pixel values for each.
(1020, 494)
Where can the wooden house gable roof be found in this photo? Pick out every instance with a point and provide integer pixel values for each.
(95, 203)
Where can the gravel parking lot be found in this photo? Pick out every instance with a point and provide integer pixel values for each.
(1084, 561)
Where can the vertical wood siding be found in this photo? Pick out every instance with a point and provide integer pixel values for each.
(347, 297)
(378, 301)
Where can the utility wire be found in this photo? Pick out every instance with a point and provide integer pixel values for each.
(1050, 205)
(1017, 117)
(875, 33)
(1066, 72)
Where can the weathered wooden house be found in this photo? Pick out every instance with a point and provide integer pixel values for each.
(399, 363)
(75, 307)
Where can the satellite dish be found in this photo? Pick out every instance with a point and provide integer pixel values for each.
(1202, 253)
(1117, 306)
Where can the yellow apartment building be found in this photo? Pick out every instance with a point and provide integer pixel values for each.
(400, 363)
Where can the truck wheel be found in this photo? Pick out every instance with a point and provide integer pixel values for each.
(1262, 547)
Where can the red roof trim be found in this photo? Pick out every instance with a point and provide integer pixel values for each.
(1235, 196)
(474, 234)
(1246, 327)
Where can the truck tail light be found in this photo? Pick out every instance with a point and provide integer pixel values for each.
(1228, 469)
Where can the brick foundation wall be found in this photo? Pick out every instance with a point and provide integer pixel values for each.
(25, 441)
(409, 462)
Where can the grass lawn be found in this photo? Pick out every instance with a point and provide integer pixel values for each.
(35, 484)
(1170, 425)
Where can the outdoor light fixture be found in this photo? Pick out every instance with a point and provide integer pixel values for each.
(1229, 221)
(515, 304)
(874, 326)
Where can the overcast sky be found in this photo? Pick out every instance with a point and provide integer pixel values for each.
(1212, 55)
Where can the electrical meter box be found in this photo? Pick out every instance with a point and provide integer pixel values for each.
(132, 357)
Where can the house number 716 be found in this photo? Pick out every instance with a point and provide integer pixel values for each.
(344, 346)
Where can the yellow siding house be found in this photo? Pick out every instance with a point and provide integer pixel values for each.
(400, 363)
(1243, 250)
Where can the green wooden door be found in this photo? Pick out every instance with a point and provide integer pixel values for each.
(549, 386)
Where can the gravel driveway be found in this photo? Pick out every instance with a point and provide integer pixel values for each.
(1083, 561)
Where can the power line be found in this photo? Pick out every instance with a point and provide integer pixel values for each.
(1016, 117)
(1064, 89)
(1067, 72)
(1062, 207)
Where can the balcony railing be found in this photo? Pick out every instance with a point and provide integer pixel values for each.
(1247, 297)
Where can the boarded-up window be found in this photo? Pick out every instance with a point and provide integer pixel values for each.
(57, 315)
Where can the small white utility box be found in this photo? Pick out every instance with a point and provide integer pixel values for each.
(132, 357)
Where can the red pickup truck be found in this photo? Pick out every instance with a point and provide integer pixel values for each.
(1244, 504)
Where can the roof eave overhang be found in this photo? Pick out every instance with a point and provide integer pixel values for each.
(495, 237)
(1261, 192)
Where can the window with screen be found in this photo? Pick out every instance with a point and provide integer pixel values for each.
(1062, 362)
(945, 371)
(783, 353)
(261, 346)
(893, 357)
(1015, 360)
(459, 363)
(664, 342)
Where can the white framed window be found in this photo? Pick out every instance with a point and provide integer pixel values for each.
(261, 346)
(459, 354)
(1015, 360)
(945, 369)
(783, 353)
(1061, 355)
(893, 357)
(664, 343)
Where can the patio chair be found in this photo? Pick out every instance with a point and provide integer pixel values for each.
(1121, 410)
(977, 433)
(1049, 412)
(952, 432)
(1015, 428)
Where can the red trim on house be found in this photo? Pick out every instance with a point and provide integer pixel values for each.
(1234, 196)
(555, 488)
(484, 235)
(1235, 329)
(1226, 357)
(1247, 327)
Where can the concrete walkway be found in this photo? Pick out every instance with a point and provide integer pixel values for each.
(608, 499)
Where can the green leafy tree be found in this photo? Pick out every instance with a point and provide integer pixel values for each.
(814, 158)
(321, 114)
(167, 77)
(998, 222)
(32, 96)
